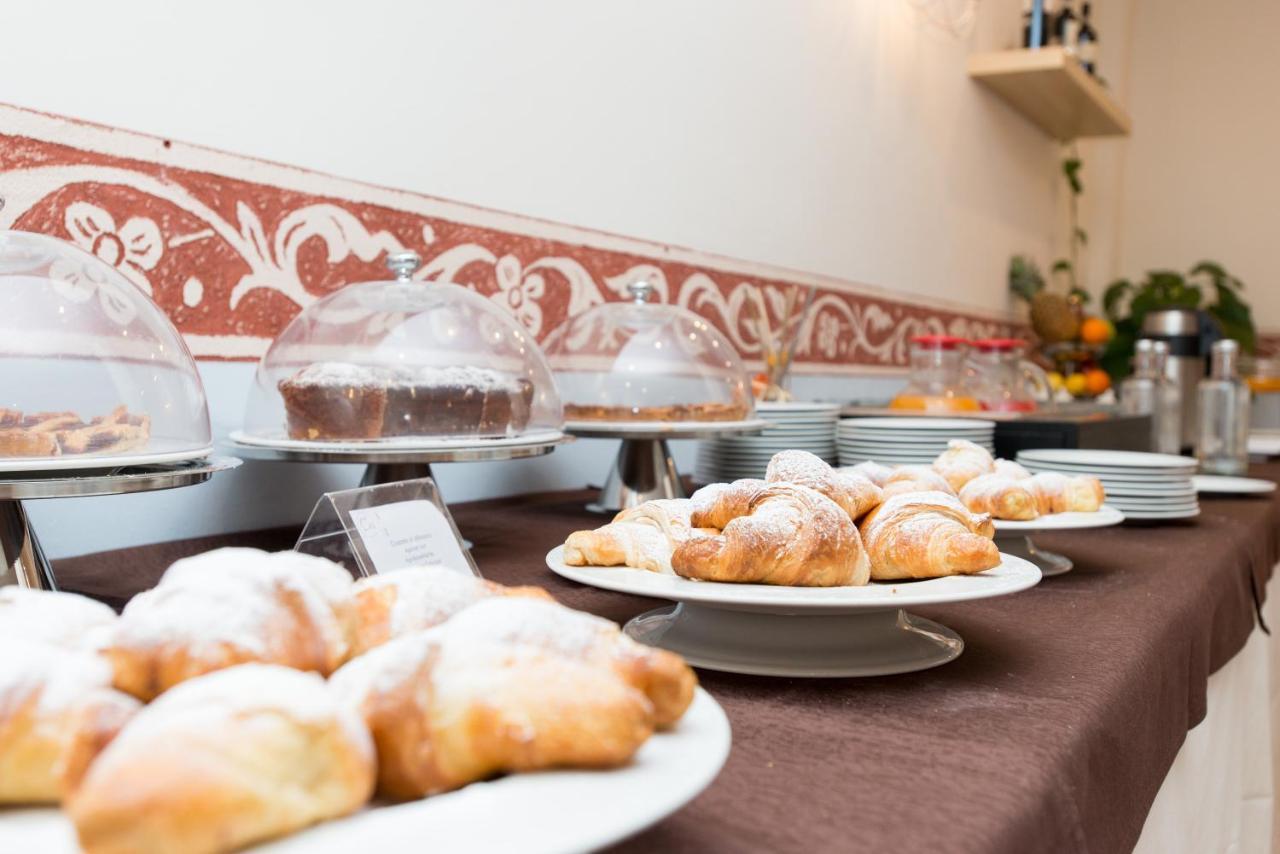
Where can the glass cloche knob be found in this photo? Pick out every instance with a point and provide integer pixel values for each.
(404, 264)
(641, 290)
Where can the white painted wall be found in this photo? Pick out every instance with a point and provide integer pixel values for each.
(835, 136)
(1200, 176)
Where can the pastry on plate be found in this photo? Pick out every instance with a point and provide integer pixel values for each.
(871, 470)
(773, 533)
(231, 758)
(63, 619)
(410, 600)
(232, 606)
(661, 676)
(915, 479)
(52, 434)
(962, 461)
(1001, 497)
(1010, 469)
(927, 535)
(854, 492)
(446, 714)
(1060, 493)
(674, 412)
(57, 711)
(640, 537)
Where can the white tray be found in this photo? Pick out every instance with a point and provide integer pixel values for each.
(1103, 518)
(553, 811)
(1216, 484)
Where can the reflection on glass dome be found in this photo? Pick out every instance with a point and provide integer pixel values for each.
(402, 361)
(92, 367)
(640, 361)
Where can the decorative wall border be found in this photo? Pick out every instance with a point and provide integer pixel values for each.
(232, 247)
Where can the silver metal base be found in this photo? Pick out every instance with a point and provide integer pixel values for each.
(1050, 563)
(376, 474)
(24, 562)
(875, 643)
(643, 470)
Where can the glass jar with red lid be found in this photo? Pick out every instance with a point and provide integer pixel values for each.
(939, 376)
(1004, 380)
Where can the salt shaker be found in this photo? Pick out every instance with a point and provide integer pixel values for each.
(1222, 447)
(1149, 392)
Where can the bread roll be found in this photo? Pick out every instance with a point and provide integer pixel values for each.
(67, 620)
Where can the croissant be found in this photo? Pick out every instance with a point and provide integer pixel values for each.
(234, 757)
(1011, 470)
(661, 676)
(962, 461)
(62, 619)
(784, 534)
(730, 501)
(1001, 497)
(410, 600)
(907, 479)
(853, 492)
(444, 714)
(232, 606)
(1060, 493)
(57, 711)
(642, 537)
(871, 470)
(927, 535)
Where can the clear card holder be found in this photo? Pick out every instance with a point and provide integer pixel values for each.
(384, 528)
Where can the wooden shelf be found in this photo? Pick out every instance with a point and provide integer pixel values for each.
(1050, 87)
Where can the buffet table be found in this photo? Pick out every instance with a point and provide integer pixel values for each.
(1052, 732)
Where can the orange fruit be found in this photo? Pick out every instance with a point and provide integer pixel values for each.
(1096, 381)
(1096, 330)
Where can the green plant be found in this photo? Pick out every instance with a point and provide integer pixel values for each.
(1126, 304)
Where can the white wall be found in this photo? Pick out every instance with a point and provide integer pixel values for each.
(835, 136)
(1200, 176)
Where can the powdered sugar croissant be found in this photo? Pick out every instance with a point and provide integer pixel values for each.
(1060, 493)
(1001, 497)
(915, 478)
(854, 493)
(962, 461)
(641, 537)
(775, 533)
(927, 535)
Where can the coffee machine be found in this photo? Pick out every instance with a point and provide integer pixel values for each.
(1181, 329)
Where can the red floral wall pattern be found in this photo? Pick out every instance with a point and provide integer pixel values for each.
(232, 248)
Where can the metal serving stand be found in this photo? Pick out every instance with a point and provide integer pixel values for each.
(25, 563)
(644, 468)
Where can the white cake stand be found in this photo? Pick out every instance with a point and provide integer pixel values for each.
(644, 468)
(25, 563)
(801, 631)
(1015, 537)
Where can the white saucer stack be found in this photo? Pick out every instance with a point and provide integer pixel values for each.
(907, 440)
(806, 426)
(1142, 486)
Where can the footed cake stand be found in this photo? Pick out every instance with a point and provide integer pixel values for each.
(644, 468)
(25, 563)
(801, 631)
(1015, 537)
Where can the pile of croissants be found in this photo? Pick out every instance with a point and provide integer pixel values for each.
(808, 524)
(251, 694)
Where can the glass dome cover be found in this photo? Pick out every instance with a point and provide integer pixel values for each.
(402, 362)
(641, 361)
(94, 372)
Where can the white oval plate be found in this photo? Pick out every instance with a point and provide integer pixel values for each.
(1106, 459)
(670, 770)
(797, 406)
(910, 422)
(1140, 516)
(1218, 484)
(1103, 518)
(91, 462)
(1010, 576)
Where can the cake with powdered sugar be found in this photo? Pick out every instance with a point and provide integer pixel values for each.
(340, 400)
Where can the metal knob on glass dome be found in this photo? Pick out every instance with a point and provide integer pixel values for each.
(404, 264)
(641, 290)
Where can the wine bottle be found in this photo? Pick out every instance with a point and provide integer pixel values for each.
(1049, 15)
(1087, 40)
(1066, 27)
(1026, 23)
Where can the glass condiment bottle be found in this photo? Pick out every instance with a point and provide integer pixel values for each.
(1223, 438)
(938, 380)
(1004, 380)
(1149, 392)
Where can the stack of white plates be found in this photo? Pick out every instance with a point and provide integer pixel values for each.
(907, 441)
(806, 426)
(1142, 486)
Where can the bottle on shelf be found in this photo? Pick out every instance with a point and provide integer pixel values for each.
(1048, 18)
(1066, 26)
(1223, 437)
(1028, 7)
(1149, 392)
(1087, 40)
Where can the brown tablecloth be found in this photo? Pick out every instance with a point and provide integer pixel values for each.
(1052, 732)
